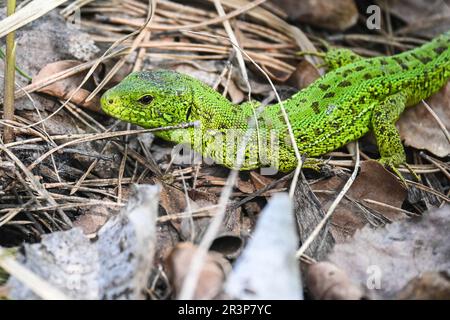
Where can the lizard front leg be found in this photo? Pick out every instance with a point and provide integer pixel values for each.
(338, 57)
(387, 136)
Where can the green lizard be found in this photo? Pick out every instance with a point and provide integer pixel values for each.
(355, 96)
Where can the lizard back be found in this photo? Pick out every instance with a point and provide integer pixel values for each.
(337, 108)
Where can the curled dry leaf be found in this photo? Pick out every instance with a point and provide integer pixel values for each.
(229, 244)
(332, 15)
(245, 186)
(327, 282)
(373, 183)
(63, 89)
(420, 129)
(386, 259)
(304, 75)
(211, 277)
(39, 44)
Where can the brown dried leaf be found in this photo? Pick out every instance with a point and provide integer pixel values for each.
(388, 258)
(259, 181)
(172, 200)
(304, 75)
(4, 292)
(63, 89)
(211, 277)
(333, 15)
(328, 282)
(419, 128)
(426, 18)
(427, 286)
(93, 219)
(245, 186)
(374, 183)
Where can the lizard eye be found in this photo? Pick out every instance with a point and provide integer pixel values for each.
(146, 99)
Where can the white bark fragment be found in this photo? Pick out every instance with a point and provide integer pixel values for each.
(268, 269)
(115, 266)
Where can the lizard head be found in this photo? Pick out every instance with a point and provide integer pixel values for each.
(151, 99)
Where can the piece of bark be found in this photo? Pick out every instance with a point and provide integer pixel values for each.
(116, 266)
(309, 213)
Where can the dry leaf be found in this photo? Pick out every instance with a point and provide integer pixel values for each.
(384, 260)
(419, 128)
(333, 15)
(373, 183)
(427, 286)
(63, 89)
(92, 219)
(427, 18)
(211, 276)
(260, 181)
(173, 201)
(327, 282)
(236, 94)
(303, 76)
(245, 186)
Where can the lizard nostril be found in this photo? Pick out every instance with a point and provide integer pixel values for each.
(110, 101)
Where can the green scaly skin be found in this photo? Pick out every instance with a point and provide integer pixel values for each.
(356, 96)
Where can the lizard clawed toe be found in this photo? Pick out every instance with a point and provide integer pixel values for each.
(387, 163)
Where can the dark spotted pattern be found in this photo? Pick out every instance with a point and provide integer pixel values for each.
(324, 86)
(315, 107)
(344, 84)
